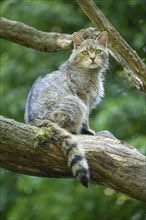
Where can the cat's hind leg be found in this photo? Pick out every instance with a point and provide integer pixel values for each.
(69, 114)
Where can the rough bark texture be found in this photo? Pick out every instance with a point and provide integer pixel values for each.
(30, 37)
(29, 150)
(121, 51)
(44, 41)
(48, 42)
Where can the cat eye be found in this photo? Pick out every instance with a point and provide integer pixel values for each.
(98, 51)
(85, 52)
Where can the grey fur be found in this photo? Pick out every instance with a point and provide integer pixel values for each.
(67, 96)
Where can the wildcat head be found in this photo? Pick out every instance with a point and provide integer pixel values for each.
(90, 53)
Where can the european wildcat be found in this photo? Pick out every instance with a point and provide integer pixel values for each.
(64, 99)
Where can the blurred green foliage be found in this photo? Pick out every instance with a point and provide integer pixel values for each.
(122, 111)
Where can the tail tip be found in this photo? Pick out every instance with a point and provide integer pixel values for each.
(84, 180)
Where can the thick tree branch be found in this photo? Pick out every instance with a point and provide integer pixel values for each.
(30, 37)
(121, 51)
(30, 150)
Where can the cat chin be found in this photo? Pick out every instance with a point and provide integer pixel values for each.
(92, 66)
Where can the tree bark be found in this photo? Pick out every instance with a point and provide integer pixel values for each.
(48, 42)
(30, 150)
(30, 37)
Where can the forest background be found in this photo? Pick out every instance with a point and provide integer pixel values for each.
(122, 110)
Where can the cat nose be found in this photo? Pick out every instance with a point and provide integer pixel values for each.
(92, 58)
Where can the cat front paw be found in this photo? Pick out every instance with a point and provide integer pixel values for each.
(87, 131)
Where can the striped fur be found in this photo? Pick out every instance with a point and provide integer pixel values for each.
(63, 99)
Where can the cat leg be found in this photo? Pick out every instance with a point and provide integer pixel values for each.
(69, 114)
(64, 120)
(86, 130)
(39, 122)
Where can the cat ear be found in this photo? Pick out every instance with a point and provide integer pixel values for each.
(77, 39)
(103, 38)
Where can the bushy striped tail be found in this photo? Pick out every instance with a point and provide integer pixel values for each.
(74, 153)
(76, 159)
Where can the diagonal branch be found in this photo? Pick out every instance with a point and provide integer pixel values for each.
(48, 42)
(30, 150)
(121, 51)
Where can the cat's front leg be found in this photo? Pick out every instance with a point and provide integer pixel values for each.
(86, 130)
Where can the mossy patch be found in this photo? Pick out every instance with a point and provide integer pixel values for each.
(42, 136)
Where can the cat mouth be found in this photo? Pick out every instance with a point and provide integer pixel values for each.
(93, 63)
